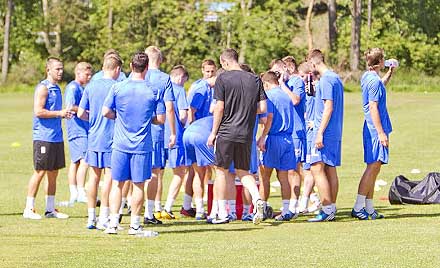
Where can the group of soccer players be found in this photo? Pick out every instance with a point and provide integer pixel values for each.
(128, 129)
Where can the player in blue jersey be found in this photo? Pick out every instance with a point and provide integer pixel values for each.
(47, 136)
(162, 81)
(276, 141)
(77, 131)
(100, 73)
(327, 135)
(293, 86)
(100, 138)
(376, 131)
(134, 105)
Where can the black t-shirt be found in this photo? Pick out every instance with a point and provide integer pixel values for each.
(241, 91)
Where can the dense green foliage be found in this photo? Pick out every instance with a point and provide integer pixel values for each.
(408, 30)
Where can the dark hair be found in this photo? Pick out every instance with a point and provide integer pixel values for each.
(229, 54)
(276, 62)
(208, 62)
(245, 67)
(316, 56)
(373, 56)
(139, 62)
(179, 70)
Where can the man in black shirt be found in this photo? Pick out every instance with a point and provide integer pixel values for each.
(240, 96)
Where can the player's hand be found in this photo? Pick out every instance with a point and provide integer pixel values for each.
(310, 124)
(211, 140)
(64, 113)
(172, 141)
(261, 143)
(383, 139)
(319, 141)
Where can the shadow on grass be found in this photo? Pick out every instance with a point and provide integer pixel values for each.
(187, 231)
(12, 214)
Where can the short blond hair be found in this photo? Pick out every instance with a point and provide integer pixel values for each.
(154, 54)
(82, 67)
(111, 62)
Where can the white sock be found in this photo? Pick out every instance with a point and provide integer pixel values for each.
(360, 202)
(149, 207)
(285, 203)
(123, 202)
(246, 209)
(81, 191)
(169, 204)
(30, 202)
(104, 212)
(187, 199)
(128, 201)
(199, 205)
(222, 213)
(327, 209)
(135, 221)
(334, 207)
(214, 209)
(303, 202)
(369, 206)
(114, 220)
(253, 190)
(314, 198)
(157, 206)
(50, 203)
(73, 193)
(232, 206)
(293, 204)
(91, 215)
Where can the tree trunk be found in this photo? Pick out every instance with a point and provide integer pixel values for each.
(110, 20)
(355, 35)
(332, 34)
(370, 5)
(5, 59)
(308, 25)
(245, 10)
(53, 50)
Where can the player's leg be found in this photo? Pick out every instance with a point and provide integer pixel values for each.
(231, 194)
(33, 185)
(92, 192)
(71, 178)
(321, 181)
(198, 188)
(104, 209)
(51, 188)
(173, 190)
(81, 180)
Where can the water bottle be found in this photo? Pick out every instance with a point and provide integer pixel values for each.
(391, 63)
(147, 233)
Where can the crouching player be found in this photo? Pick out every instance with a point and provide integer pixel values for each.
(377, 127)
(132, 103)
(276, 141)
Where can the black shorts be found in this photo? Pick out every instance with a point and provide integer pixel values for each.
(227, 151)
(49, 155)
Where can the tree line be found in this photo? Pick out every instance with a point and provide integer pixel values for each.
(192, 30)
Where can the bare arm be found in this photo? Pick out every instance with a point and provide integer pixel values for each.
(326, 115)
(106, 112)
(386, 78)
(83, 114)
(375, 117)
(172, 123)
(183, 116)
(266, 127)
(293, 97)
(39, 103)
(191, 115)
(262, 107)
(218, 115)
(159, 119)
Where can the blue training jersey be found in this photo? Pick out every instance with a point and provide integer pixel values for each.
(179, 104)
(200, 129)
(160, 81)
(374, 90)
(100, 74)
(200, 97)
(330, 88)
(75, 126)
(135, 103)
(101, 128)
(280, 105)
(48, 129)
(296, 85)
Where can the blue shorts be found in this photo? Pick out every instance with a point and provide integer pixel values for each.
(330, 154)
(175, 157)
(99, 159)
(254, 164)
(279, 153)
(300, 150)
(78, 149)
(373, 150)
(196, 151)
(158, 155)
(134, 167)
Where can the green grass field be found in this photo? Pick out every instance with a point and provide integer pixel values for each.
(408, 237)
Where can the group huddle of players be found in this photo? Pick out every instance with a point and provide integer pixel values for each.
(129, 129)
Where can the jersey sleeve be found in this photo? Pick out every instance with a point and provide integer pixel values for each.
(182, 103)
(69, 99)
(326, 89)
(270, 107)
(84, 103)
(374, 90)
(109, 101)
(168, 94)
(299, 88)
(219, 89)
(160, 104)
(197, 98)
(261, 93)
